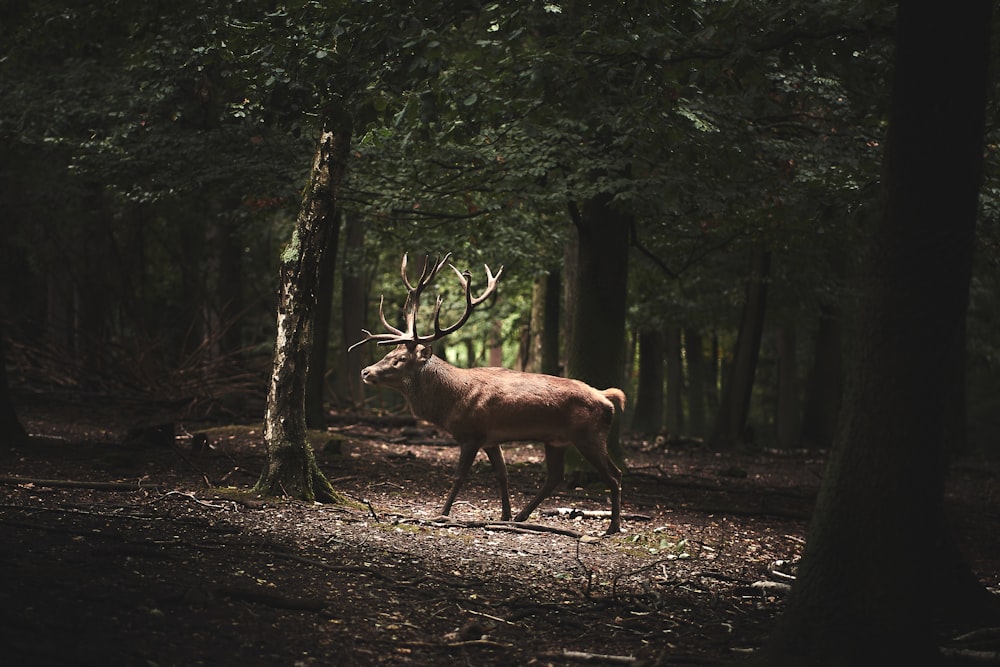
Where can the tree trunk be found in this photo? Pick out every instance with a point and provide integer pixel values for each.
(11, 430)
(353, 302)
(787, 415)
(648, 414)
(570, 285)
(825, 384)
(550, 324)
(697, 370)
(316, 379)
(597, 351)
(871, 578)
(674, 415)
(291, 466)
(731, 421)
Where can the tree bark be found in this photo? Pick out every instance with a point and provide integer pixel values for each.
(731, 421)
(877, 530)
(647, 417)
(316, 379)
(291, 468)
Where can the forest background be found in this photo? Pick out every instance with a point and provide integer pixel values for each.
(679, 193)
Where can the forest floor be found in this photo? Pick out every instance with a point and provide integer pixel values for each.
(128, 553)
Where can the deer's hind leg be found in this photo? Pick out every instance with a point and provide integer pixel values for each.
(596, 453)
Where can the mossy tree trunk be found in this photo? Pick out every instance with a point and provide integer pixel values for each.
(291, 468)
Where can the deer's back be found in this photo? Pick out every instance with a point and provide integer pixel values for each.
(494, 405)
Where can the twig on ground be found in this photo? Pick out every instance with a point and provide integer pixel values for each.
(191, 496)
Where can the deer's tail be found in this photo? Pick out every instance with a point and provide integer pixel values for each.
(616, 396)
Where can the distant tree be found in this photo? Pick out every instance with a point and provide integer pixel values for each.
(879, 567)
(731, 420)
(11, 430)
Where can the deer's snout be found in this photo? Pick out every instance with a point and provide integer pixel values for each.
(366, 375)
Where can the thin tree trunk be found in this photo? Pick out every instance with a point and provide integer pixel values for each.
(570, 286)
(731, 422)
(354, 288)
(787, 417)
(11, 430)
(647, 417)
(697, 369)
(674, 415)
(825, 383)
(531, 357)
(291, 467)
(550, 324)
(879, 568)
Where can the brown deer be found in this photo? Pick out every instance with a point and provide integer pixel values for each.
(484, 407)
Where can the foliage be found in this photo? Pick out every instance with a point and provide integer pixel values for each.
(158, 135)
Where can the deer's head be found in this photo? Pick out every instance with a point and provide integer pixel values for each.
(412, 350)
(397, 368)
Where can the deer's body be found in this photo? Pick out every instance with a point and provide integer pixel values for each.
(484, 407)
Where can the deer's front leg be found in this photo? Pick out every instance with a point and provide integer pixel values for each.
(500, 470)
(467, 454)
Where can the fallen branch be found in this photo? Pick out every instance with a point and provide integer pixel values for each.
(573, 513)
(583, 656)
(78, 484)
(510, 526)
(191, 496)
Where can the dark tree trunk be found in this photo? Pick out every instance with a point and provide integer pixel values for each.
(697, 371)
(11, 430)
(597, 351)
(647, 417)
(825, 384)
(316, 380)
(731, 421)
(878, 565)
(674, 414)
(550, 324)
(787, 414)
(354, 290)
(291, 466)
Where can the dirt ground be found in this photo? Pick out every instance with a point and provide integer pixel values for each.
(128, 553)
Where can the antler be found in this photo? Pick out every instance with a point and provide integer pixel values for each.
(396, 336)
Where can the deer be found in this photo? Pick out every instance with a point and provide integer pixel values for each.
(485, 407)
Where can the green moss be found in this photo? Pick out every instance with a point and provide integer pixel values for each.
(291, 253)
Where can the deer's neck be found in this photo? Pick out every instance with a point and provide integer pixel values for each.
(435, 390)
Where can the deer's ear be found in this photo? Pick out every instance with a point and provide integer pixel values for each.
(424, 352)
